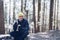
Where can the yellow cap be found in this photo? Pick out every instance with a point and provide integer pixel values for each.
(20, 14)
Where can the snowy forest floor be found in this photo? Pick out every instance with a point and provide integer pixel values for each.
(50, 35)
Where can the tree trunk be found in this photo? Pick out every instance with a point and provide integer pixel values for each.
(43, 27)
(21, 5)
(54, 13)
(51, 14)
(57, 14)
(39, 9)
(14, 11)
(26, 10)
(27, 14)
(2, 28)
(34, 17)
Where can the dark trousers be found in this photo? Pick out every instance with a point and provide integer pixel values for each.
(18, 36)
(21, 37)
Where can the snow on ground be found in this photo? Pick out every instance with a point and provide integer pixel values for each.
(50, 35)
(4, 35)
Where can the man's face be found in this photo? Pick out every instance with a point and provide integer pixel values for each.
(20, 18)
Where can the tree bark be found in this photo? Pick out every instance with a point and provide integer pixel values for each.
(39, 9)
(51, 14)
(57, 14)
(34, 17)
(14, 11)
(43, 14)
(21, 5)
(54, 13)
(2, 28)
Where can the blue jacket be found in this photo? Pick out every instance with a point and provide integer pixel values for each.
(22, 29)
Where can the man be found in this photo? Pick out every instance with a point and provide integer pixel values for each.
(21, 28)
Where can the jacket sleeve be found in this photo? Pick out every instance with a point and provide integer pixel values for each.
(27, 26)
(15, 26)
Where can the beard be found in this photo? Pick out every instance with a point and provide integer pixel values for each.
(20, 19)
